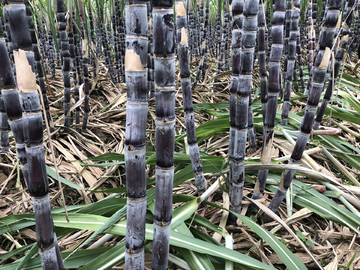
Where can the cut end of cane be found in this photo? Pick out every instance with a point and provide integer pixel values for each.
(184, 37)
(345, 38)
(325, 61)
(133, 61)
(26, 78)
(180, 10)
(85, 51)
(338, 24)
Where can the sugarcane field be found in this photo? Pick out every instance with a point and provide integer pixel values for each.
(180, 134)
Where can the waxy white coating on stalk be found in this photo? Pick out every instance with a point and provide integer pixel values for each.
(46, 256)
(136, 209)
(162, 232)
(27, 81)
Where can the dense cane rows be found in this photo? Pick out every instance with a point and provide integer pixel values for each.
(260, 55)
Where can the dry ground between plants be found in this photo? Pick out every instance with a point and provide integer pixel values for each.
(106, 133)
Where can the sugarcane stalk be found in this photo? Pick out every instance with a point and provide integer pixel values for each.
(251, 129)
(190, 10)
(38, 67)
(222, 43)
(289, 76)
(151, 87)
(217, 30)
(239, 136)
(183, 56)
(262, 60)
(227, 34)
(273, 93)
(51, 54)
(65, 55)
(37, 177)
(354, 46)
(164, 78)
(287, 34)
(326, 41)
(115, 22)
(339, 55)
(85, 63)
(236, 134)
(10, 97)
(299, 55)
(136, 116)
(206, 37)
(4, 126)
(311, 42)
(315, 20)
(32, 135)
(203, 44)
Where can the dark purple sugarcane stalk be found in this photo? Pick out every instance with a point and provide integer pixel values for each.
(226, 35)
(289, 75)
(51, 54)
(354, 46)
(339, 55)
(9, 42)
(268, 32)
(4, 126)
(262, 60)
(206, 36)
(73, 39)
(190, 11)
(326, 41)
(218, 29)
(202, 44)
(195, 34)
(222, 44)
(10, 97)
(85, 66)
(287, 35)
(183, 56)
(115, 23)
(164, 77)
(315, 20)
(136, 118)
(243, 86)
(38, 65)
(237, 132)
(274, 87)
(38, 183)
(151, 86)
(122, 47)
(311, 40)
(65, 55)
(299, 52)
(32, 134)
